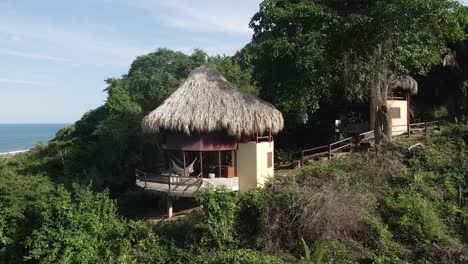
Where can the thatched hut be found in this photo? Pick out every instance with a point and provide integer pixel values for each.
(358, 119)
(213, 133)
(207, 103)
(399, 103)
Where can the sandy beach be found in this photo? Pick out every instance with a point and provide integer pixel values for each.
(12, 153)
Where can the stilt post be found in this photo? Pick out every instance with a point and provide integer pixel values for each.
(169, 206)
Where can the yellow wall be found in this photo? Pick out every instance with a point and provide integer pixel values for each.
(252, 164)
(401, 122)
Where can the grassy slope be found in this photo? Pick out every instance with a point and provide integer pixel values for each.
(390, 205)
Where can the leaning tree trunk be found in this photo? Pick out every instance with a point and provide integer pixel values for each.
(383, 120)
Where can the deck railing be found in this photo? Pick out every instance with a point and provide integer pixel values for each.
(352, 142)
(170, 180)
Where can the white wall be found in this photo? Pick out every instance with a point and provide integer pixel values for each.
(252, 164)
(402, 122)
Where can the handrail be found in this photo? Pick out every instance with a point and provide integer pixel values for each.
(341, 141)
(196, 181)
(312, 149)
(362, 138)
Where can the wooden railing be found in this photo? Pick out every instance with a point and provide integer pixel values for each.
(352, 142)
(170, 180)
(423, 127)
(327, 149)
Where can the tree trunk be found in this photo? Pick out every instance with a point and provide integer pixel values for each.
(383, 120)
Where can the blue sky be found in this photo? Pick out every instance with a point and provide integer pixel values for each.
(55, 54)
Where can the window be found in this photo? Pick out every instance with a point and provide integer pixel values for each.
(395, 112)
(269, 159)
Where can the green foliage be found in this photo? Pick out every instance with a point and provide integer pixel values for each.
(241, 256)
(22, 200)
(82, 228)
(411, 209)
(250, 216)
(416, 217)
(317, 256)
(219, 217)
(306, 54)
(307, 257)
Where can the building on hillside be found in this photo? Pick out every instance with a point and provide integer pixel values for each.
(359, 118)
(213, 134)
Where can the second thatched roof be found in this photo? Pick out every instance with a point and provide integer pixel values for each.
(206, 102)
(406, 83)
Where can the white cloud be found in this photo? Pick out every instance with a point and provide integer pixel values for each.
(219, 16)
(67, 44)
(21, 82)
(17, 53)
(229, 16)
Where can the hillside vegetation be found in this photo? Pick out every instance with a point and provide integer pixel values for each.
(73, 200)
(389, 205)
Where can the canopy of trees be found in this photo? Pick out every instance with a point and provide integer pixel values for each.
(307, 54)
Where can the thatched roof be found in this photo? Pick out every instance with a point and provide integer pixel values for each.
(406, 83)
(206, 102)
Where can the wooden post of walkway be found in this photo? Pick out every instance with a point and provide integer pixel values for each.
(408, 112)
(169, 206)
(425, 128)
(329, 152)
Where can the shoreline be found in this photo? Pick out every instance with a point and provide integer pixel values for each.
(12, 153)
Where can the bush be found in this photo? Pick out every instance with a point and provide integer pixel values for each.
(217, 224)
(241, 256)
(22, 201)
(79, 228)
(250, 217)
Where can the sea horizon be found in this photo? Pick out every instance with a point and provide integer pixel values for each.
(20, 137)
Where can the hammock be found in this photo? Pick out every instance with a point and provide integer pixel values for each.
(181, 170)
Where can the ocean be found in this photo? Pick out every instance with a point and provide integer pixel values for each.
(18, 137)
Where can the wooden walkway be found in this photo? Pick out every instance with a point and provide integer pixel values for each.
(352, 143)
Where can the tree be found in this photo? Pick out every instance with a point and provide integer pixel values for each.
(308, 54)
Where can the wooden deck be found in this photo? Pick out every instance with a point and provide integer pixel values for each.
(181, 186)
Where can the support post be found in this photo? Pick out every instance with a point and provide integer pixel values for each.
(234, 162)
(185, 166)
(425, 128)
(408, 113)
(169, 206)
(329, 152)
(201, 163)
(219, 162)
(302, 158)
(169, 181)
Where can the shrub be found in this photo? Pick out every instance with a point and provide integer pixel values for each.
(22, 201)
(79, 228)
(240, 256)
(217, 224)
(250, 217)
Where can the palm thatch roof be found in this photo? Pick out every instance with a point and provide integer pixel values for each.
(406, 83)
(206, 102)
